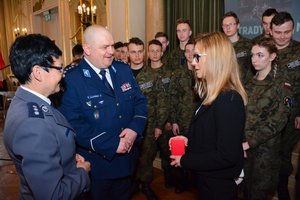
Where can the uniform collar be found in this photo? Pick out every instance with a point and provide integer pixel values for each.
(37, 94)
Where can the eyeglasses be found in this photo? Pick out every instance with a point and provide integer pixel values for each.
(228, 25)
(197, 56)
(60, 69)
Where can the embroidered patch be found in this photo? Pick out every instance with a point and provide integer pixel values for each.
(146, 85)
(293, 64)
(86, 73)
(89, 103)
(288, 101)
(166, 80)
(44, 108)
(96, 114)
(125, 87)
(287, 86)
(241, 54)
(94, 96)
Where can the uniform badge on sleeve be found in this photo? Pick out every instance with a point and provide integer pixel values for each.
(125, 87)
(288, 101)
(86, 73)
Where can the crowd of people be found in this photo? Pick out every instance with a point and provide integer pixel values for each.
(232, 100)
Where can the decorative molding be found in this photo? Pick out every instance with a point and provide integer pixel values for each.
(38, 5)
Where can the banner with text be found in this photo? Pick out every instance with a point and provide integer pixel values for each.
(250, 11)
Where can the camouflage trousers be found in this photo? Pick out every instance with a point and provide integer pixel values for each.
(261, 169)
(148, 152)
(289, 139)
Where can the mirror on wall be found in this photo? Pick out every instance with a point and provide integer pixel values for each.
(84, 13)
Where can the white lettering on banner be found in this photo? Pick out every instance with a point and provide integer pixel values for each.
(250, 30)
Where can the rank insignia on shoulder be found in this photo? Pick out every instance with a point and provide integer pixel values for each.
(86, 73)
(288, 101)
(34, 111)
(125, 87)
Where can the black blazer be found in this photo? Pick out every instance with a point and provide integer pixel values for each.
(215, 138)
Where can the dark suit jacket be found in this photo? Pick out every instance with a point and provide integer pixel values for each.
(41, 143)
(99, 116)
(215, 138)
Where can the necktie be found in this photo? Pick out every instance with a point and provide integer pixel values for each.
(104, 80)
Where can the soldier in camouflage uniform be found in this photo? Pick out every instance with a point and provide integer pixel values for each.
(182, 104)
(182, 110)
(181, 100)
(164, 40)
(267, 114)
(282, 29)
(184, 32)
(154, 82)
(184, 101)
(136, 53)
(230, 26)
(266, 18)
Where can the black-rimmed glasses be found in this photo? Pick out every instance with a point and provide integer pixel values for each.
(197, 56)
(60, 69)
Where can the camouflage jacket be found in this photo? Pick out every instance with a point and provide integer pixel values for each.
(182, 97)
(289, 62)
(154, 84)
(176, 58)
(242, 51)
(267, 111)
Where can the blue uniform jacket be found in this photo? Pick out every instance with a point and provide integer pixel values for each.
(41, 143)
(99, 116)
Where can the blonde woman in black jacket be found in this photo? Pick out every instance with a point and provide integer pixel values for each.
(214, 141)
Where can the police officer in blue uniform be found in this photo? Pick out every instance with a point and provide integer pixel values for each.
(104, 104)
(37, 136)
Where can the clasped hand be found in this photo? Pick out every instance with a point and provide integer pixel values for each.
(127, 138)
(81, 163)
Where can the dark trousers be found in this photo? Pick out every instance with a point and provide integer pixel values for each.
(115, 189)
(216, 189)
(297, 177)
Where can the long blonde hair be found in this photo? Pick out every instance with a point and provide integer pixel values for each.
(222, 69)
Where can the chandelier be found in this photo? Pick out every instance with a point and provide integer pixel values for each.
(87, 12)
(18, 32)
(19, 23)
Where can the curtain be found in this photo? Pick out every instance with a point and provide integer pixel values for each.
(204, 16)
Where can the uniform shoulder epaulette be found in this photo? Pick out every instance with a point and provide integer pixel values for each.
(34, 111)
(70, 67)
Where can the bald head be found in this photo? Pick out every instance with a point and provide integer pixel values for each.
(92, 34)
(98, 46)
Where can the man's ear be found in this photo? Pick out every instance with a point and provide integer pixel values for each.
(36, 72)
(86, 49)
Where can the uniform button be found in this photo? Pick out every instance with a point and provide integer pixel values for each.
(120, 116)
(118, 104)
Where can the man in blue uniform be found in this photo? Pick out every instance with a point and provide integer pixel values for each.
(104, 104)
(38, 138)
